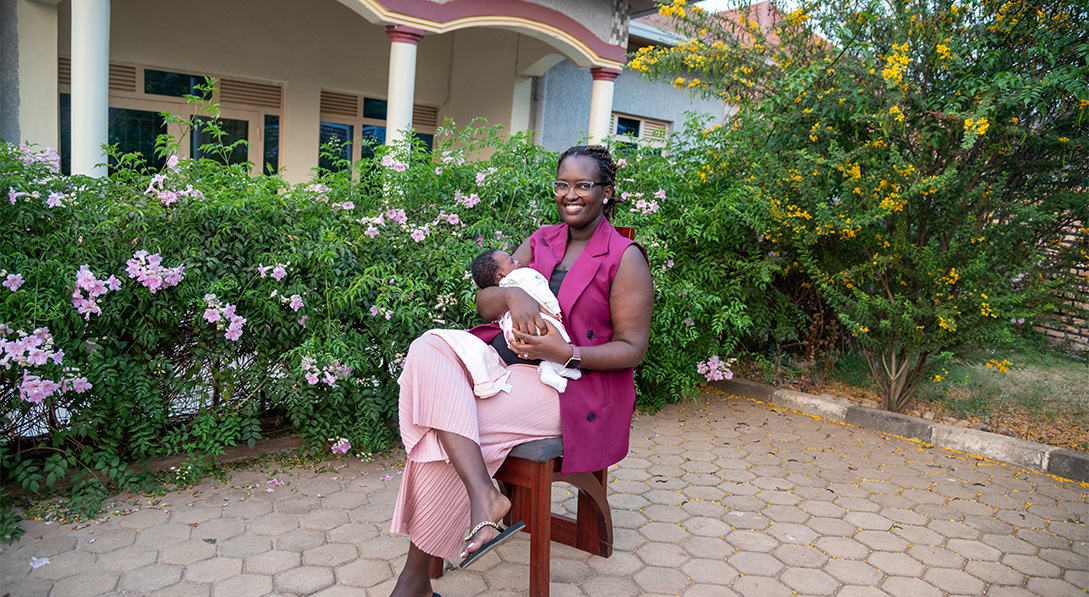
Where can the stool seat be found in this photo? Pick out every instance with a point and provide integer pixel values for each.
(539, 450)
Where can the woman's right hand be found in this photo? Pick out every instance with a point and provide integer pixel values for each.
(525, 312)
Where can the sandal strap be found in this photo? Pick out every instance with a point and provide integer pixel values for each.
(476, 529)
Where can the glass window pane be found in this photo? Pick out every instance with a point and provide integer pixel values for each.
(374, 108)
(627, 126)
(66, 133)
(339, 136)
(159, 82)
(135, 131)
(428, 140)
(204, 142)
(272, 144)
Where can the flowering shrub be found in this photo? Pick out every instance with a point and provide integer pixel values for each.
(219, 297)
(919, 169)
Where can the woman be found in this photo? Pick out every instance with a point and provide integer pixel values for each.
(456, 442)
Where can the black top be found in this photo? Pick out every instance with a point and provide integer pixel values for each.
(499, 343)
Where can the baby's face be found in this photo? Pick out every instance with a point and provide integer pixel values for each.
(506, 263)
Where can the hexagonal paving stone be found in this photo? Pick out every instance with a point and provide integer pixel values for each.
(662, 554)
(213, 570)
(761, 586)
(954, 581)
(90, 583)
(807, 581)
(937, 557)
(363, 573)
(1031, 565)
(710, 571)
(219, 529)
(126, 558)
(243, 585)
(842, 547)
(303, 580)
(107, 539)
(195, 514)
(330, 554)
(63, 565)
(755, 563)
(144, 519)
(852, 572)
(660, 580)
(150, 578)
(187, 552)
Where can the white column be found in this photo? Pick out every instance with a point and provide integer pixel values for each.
(90, 84)
(402, 80)
(601, 102)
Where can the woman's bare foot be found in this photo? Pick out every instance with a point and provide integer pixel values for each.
(491, 506)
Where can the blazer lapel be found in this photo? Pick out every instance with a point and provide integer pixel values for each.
(585, 267)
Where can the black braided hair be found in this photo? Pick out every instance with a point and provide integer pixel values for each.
(606, 169)
(484, 269)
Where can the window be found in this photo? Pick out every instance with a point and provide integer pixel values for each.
(342, 114)
(647, 132)
(250, 111)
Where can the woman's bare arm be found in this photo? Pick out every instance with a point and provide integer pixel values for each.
(631, 304)
(525, 312)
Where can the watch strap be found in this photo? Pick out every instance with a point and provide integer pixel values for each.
(575, 360)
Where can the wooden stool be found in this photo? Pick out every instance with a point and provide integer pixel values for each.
(526, 477)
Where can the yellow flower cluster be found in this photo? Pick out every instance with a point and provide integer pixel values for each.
(676, 9)
(895, 63)
(979, 126)
(899, 115)
(943, 51)
(941, 376)
(949, 326)
(797, 17)
(644, 58)
(851, 171)
(952, 277)
(1003, 365)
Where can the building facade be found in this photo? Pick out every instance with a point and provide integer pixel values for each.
(291, 75)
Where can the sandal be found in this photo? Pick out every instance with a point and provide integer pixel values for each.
(503, 535)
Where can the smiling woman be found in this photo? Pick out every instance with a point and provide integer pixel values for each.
(456, 440)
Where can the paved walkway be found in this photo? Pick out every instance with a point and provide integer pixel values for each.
(727, 497)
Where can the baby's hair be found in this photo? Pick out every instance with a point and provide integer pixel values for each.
(605, 165)
(485, 268)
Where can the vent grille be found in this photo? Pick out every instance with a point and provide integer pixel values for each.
(339, 104)
(425, 116)
(232, 91)
(64, 71)
(122, 78)
(654, 128)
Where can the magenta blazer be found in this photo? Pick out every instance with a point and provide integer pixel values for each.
(595, 410)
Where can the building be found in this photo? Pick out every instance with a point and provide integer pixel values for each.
(291, 74)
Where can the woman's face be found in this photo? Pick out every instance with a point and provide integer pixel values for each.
(575, 210)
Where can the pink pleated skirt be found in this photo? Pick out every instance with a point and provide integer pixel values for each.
(436, 393)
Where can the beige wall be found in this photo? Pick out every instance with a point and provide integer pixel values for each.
(309, 46)
(37, 101)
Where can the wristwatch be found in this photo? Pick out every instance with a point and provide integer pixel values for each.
(575, 360)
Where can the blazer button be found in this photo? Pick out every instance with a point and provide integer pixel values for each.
(590, 334)
(590, 417)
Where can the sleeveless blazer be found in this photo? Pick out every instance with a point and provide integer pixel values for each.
(595, 410)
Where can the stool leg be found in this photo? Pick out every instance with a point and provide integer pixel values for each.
(437, 564)
(540, 544)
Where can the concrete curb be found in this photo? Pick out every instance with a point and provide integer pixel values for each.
(1068, 464)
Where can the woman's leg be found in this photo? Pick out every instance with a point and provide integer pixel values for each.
(414, 580)
(486, 503)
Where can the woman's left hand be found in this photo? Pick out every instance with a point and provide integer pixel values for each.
(549, 346)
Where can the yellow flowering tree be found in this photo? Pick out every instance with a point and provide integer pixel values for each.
(920, 162)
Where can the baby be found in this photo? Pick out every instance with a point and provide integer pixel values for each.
(494, 267)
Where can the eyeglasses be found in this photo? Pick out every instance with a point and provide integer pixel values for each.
(582, 187)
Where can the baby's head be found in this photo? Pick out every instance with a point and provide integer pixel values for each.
(491, 266)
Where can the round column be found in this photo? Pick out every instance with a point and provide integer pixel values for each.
(402, 80)
(90, 85)
(601, 102)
